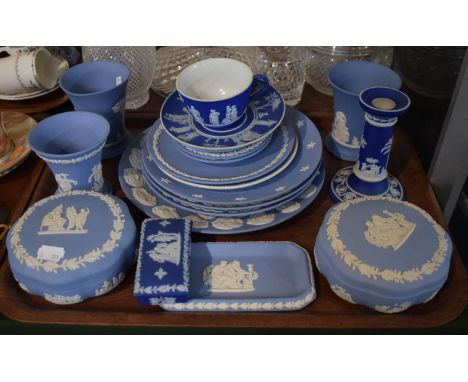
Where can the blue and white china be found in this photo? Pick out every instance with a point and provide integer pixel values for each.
(369, 174)
(216, 91)
(303, 165)
(264, 114)
(347, 80)
(163, 151)
(150, 170)
(134, 186)
(236, 211)
(72, 246)
(71, 144)
(162, 273)
(100, 87)
(382, 253)
(248, 276)
(230, 156)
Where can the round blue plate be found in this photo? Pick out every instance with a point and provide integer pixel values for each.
(135, 188)
(163, 151)
(241, 211)
(303, 165)
(264, 114)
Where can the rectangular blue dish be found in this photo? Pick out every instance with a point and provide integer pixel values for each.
(248, 276)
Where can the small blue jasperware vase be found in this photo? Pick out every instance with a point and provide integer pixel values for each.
(71, 144)
(100, 87)
(217, 91)
(369, 177)
(348, 80)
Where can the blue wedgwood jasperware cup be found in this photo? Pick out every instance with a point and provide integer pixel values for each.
(348, 80)
(71, 144)
(100, 87)
(217, 91)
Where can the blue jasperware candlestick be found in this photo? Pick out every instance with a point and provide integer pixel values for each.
(369, 176)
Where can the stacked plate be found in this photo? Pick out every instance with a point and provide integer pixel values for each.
(262, 171)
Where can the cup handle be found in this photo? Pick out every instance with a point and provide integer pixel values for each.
(259, 85)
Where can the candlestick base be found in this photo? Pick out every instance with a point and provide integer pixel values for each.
(346, 186)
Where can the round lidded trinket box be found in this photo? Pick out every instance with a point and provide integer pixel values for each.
(382, 253)
(72, 246)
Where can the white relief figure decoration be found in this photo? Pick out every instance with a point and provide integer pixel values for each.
(355, 142)
(231, 114)
(340, 130)
(261, 219)
(165, 212)
(181, 119)
(290, 207)
(196, 114)
(119, 106)
(167, 247)
(363, 142)
(227, 224)
(229, 277)
(214, 117)
(198, 221)
(370, 168)
(135, 158)
(96, 177)
(143, 196)
(391, 230)
(64, 182)
(387, 147)
(273, 100)
(53, 223)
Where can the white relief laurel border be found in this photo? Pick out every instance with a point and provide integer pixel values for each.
(74, 160)
(394, 275)
(73, 263)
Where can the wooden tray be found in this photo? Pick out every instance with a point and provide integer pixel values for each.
(328, 311)
(36, 105)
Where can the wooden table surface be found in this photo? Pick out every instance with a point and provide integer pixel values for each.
(33, 181)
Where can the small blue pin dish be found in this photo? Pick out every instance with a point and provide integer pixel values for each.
(179, 275)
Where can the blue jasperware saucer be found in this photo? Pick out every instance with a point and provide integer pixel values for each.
(303, 165)
(136, 189)
(163, 151)
(264, 114)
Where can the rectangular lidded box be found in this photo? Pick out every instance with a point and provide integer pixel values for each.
(162, 274)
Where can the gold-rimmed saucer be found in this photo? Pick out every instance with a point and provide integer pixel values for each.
(17, 126)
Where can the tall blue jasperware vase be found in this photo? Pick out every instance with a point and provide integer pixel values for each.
(348, 80)
(100, 87)
(71, 144)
